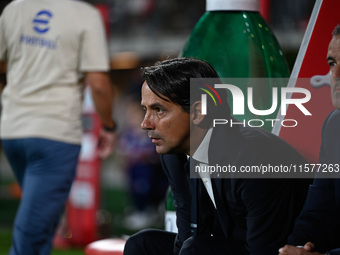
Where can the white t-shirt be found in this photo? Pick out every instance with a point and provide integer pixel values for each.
(47, 44)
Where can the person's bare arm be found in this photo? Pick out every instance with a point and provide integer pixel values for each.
(2, 75)
(102, 95)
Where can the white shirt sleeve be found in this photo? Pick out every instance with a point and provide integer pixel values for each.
(94, 55)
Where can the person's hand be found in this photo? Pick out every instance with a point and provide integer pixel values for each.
(309, 246)
(105, 143)
(307, 249)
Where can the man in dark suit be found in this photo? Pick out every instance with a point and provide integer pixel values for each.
(226, 214)
(317, 228)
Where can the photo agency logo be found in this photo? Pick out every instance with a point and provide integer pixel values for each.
(212, 95)
(254, 102)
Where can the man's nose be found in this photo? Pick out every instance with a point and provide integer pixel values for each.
(147, 123)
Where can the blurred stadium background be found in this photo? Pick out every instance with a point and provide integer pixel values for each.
(141, 32)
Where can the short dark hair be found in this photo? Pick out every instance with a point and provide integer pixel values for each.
(170, 80)
(336, 30)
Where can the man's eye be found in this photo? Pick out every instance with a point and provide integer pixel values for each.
(332, 63)
(159, 110)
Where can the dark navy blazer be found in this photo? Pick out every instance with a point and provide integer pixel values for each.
(255, 214)
(319, 221)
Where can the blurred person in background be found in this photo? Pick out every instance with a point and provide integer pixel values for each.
(147, 182)
(317, 228)
(48, 46)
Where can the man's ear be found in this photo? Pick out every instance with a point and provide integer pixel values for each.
(196, 113)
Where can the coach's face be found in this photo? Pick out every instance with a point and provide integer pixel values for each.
(167, 124)
(333, 59)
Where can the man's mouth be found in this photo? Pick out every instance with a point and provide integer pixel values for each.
(154, 138)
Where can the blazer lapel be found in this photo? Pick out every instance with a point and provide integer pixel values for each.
(222, 212)
(218, 152)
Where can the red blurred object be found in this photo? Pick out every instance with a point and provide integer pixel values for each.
(265, 9)
(83, 203)
(311, 64)
(111, 246)
(80, 226)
